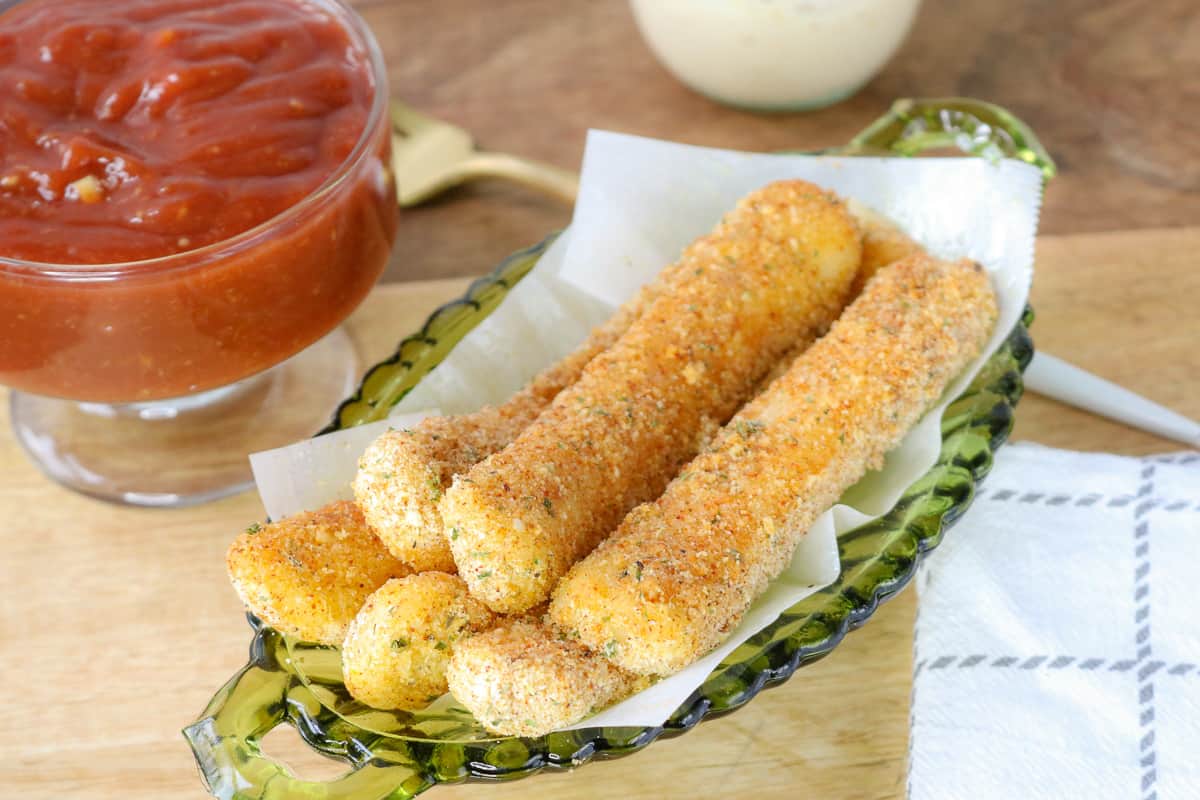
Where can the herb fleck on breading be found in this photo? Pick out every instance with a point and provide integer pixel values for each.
(748, 427)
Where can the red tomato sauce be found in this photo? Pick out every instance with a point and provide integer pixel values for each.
(158, 129)
(139, 128)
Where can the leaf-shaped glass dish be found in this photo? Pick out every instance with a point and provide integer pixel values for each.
(397, 755)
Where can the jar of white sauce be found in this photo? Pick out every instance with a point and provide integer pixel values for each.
(775, 55)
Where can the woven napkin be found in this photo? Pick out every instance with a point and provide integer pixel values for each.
(1057, 645)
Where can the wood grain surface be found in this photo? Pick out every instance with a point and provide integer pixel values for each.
(118, 624)
(1111, 87)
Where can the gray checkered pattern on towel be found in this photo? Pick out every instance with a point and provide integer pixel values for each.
(1057, 650)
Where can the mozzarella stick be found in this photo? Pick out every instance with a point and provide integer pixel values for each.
(397, 647)
(412, 611)
(522, 680)
(402, 474)
(681, 571)
(776, 270)
(308, 575)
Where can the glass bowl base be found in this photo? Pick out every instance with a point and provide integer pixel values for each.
(187, 450)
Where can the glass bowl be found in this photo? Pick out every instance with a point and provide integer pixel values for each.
(150, 381)
(397, 755)
(763, 55)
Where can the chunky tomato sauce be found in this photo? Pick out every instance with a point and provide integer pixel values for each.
(138, 128)
(144, 129)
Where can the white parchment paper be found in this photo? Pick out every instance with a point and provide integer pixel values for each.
(641, 202)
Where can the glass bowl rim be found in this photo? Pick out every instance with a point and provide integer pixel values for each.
(360, 33)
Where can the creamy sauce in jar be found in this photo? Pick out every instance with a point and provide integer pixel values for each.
(775, 54)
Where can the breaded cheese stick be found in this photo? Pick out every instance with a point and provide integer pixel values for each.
(308, 575)
(403, 473)
(777, 269)
(681, 571)
(522, 680)
(379, 674)
(386, 658)
(884, 242)
(397, 647)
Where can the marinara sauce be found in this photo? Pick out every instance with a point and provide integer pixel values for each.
(190, 191)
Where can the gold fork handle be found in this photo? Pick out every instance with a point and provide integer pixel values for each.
(558, 183)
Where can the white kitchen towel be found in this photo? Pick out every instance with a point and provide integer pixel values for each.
(1057, 648)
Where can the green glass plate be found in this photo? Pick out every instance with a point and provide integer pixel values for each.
(397, 755)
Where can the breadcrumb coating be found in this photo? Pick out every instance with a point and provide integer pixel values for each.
(403, 474)
(522, 680)
(307, 575)
(776, 269)
(884, 242)
(398, 646)
(680, 572)
(391, 679)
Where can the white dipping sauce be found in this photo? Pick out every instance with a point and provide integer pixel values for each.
(775, 54)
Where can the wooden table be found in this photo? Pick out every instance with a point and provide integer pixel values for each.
(531, 76)
(117, 624)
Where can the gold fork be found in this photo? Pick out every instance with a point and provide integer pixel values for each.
(430, 156)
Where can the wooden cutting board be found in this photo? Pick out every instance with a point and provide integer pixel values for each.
(117, 624)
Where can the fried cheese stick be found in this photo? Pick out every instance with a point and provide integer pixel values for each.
(397, 647)
(407, 682)
(776, 270)
(681, 571)
(379, 657)
(522, 680)
(308, 575)
(403, 473)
